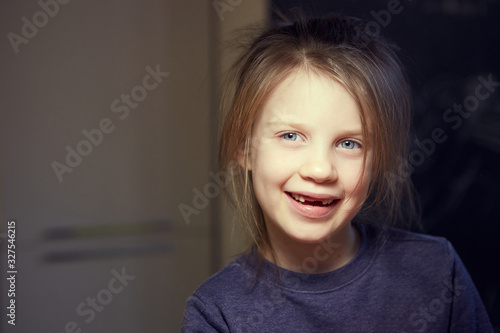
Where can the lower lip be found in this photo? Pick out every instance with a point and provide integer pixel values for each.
(313, 212)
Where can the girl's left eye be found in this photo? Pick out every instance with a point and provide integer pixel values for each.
(349, 144)
(291, 136)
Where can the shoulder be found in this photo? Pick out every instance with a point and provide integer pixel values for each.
(219, 297)
(412, 252)
(226, 286)
(234, 275)
(431, 274)
(400, 235)
(408, 242)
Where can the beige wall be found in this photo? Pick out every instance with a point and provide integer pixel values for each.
(62, 81)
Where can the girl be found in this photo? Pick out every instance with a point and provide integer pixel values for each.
(317, 118)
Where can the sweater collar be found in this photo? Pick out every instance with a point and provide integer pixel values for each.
(269, 273)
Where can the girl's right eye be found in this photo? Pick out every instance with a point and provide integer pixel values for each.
(291, 136)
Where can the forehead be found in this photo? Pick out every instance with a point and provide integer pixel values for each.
(306, 95)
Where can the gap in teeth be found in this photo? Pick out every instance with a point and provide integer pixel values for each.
(301, 199)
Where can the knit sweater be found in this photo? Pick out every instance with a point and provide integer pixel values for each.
(398, 281)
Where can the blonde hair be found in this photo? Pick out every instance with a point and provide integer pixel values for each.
(368, 68)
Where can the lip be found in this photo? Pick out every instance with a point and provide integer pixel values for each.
(309, 211)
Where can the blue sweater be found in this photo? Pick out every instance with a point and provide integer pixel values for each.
(398, 282)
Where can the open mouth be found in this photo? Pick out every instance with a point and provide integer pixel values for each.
(309, 202)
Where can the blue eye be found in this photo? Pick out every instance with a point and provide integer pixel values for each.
(349, 144)
(291, 136)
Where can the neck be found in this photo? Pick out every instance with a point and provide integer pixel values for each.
(314, 258)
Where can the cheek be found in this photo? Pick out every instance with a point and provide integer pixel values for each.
(270, 168)
(355, 182)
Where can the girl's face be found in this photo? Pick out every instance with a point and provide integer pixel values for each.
(307, 160)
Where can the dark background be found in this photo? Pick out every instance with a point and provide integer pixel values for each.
(445, 46)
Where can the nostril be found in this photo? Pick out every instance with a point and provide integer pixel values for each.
(319, 175)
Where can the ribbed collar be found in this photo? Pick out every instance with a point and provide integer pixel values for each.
(317, 283)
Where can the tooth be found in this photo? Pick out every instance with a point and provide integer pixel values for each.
(301, 199)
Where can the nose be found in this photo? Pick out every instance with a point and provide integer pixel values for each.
(319, 167)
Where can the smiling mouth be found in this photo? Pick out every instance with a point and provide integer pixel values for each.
(302, 200)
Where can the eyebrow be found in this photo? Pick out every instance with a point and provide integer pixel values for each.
(282, 122)
(295, 124)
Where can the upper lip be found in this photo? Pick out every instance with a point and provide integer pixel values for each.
(310, 196)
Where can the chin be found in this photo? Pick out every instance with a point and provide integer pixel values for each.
(308, 236)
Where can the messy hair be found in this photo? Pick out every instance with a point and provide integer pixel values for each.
(366, 65)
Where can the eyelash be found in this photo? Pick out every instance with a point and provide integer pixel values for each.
(286, 137)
